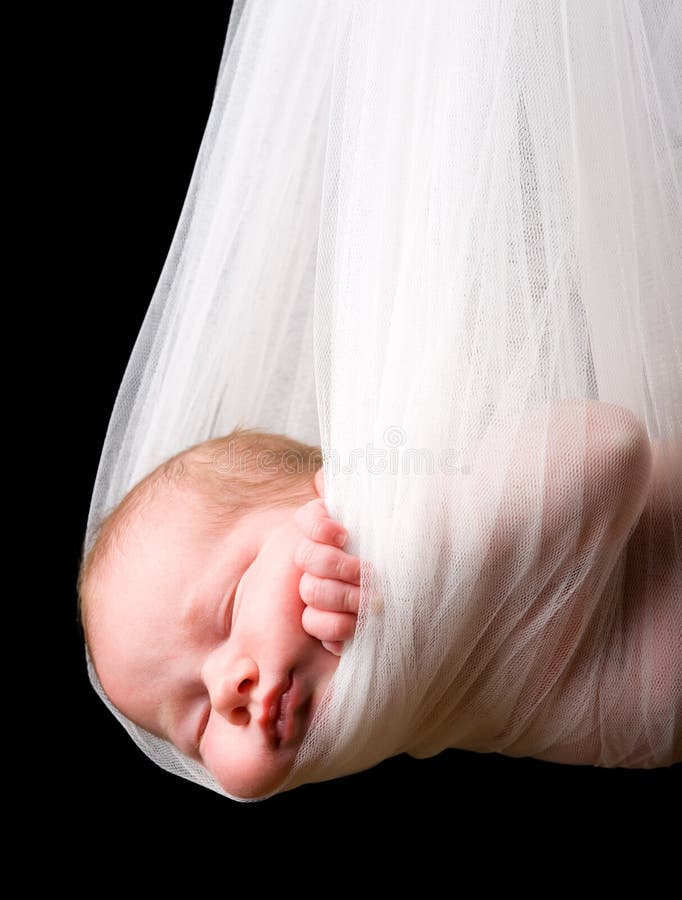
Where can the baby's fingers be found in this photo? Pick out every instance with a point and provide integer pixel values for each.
(328, 627)
(328, 594)
(327, 562)
(315, 523)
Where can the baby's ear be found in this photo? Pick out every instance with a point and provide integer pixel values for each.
(319, 482)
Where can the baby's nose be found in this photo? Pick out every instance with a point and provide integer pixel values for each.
(234, 691)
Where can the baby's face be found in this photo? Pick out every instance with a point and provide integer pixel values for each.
(198, 639)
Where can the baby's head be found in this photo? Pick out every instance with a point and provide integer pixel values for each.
(191, 608)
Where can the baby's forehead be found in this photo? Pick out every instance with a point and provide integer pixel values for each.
(143, 585)
(163, 519)
(164, 501)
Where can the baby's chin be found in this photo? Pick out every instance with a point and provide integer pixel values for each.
(271, 778)
(264, 785)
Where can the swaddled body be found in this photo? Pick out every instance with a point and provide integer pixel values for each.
(581, 663)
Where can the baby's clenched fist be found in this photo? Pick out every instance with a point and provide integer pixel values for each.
(330, 583)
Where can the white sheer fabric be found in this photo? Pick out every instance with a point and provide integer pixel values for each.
(444, 242)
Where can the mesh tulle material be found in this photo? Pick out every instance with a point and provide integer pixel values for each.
(444, 242)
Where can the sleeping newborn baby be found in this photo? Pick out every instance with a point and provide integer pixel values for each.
(217, 597)
(215, 602)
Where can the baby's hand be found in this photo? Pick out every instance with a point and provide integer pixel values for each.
(330, 584)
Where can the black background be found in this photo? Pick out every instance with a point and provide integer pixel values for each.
(140, 84)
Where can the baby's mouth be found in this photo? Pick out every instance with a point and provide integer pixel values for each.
(276, 720)
(284, 719)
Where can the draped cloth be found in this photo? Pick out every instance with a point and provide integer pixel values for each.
(443, 241)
